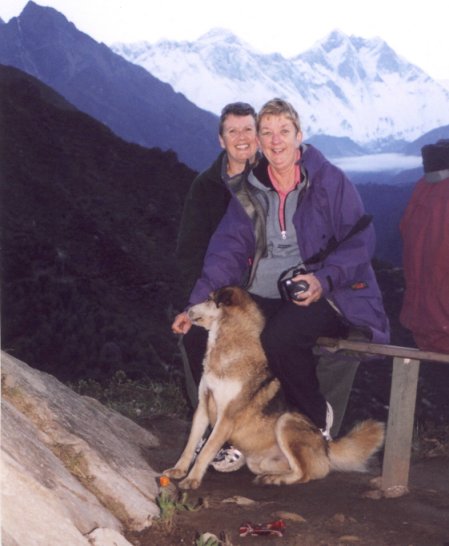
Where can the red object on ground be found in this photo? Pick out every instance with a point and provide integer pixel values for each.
(275, 528)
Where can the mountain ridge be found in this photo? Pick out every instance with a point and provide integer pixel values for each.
(127, 98)
(342, 86)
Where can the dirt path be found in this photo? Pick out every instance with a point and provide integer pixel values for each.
(329, 512)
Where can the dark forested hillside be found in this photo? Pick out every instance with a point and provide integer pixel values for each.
(129, 100)
(387, 204)
(88, 232)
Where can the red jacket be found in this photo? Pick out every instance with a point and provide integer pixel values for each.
(425, 233)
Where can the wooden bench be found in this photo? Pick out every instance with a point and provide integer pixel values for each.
(404, 382)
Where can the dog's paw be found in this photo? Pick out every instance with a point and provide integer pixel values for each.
(277, 479)
(175, 473)
(268, 479)
(189, 483)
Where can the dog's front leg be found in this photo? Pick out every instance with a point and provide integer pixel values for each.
(199, 425)
(220, 433)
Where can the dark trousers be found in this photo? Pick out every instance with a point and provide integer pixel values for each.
(288, 339)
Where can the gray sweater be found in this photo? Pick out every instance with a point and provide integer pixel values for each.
(282, 246)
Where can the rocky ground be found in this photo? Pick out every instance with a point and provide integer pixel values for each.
(335, 511)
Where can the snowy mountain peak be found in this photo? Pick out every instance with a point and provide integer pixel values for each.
(335, 39)
(219, 35)
(344, 86)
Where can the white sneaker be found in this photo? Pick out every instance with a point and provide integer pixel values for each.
(199, 445)
(326, 432)
(228, 460)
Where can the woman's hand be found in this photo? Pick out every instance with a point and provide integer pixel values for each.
(181, 324)
(313, 293)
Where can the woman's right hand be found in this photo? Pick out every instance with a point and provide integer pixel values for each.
(181, 324)
(313, 293)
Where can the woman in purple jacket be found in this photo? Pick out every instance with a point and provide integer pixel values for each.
(295, 207)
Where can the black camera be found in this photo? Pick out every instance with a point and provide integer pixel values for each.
(290, 289)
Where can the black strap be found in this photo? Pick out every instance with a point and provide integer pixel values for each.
(362, 223)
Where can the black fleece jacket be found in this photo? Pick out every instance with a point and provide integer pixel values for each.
(204, 207)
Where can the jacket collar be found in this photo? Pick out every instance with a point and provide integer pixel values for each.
(260, 171)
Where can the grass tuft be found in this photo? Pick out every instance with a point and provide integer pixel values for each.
(136, 398)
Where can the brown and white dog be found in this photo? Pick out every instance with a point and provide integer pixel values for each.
(243, 402)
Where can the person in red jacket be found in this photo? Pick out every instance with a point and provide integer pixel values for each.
(425, 234)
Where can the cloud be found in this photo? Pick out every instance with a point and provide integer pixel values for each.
(378, 163)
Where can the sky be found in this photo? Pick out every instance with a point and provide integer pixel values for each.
(417, 31)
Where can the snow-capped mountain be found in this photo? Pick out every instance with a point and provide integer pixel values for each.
(343, 86)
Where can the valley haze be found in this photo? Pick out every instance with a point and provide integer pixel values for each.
(378, 163)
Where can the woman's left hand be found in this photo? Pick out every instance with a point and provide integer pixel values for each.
(313, 293)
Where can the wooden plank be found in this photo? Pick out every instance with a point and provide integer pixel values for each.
(379, 349)
(401, 414)
(398, 444)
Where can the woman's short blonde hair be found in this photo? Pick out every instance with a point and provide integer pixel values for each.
(278, 107)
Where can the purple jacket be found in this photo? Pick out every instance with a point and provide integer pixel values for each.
(329, 206)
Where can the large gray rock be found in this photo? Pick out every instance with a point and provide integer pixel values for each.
(73, 470)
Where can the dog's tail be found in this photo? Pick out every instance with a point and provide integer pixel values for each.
(352, 452)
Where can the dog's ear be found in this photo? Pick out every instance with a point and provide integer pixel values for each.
(225, 296)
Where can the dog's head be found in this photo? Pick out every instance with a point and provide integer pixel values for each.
(220, 302)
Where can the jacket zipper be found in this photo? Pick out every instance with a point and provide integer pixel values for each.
(282, 215)
(282, 219)
(282, 212)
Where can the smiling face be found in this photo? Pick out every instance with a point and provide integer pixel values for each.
(239, 139)
(279, 140)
